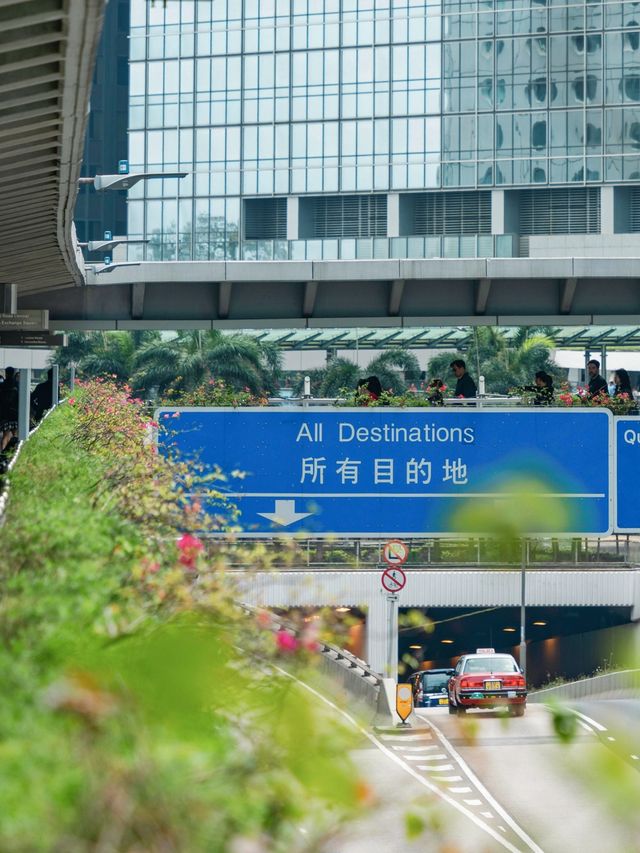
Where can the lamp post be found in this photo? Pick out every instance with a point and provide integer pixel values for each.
(125, 182)
(523, 608)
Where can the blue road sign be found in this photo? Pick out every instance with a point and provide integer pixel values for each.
(398, 472)
(627, 514)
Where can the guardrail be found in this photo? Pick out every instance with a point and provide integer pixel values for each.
(362, 684)
(609, 683)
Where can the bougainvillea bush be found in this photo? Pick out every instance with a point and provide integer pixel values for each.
(142, 710)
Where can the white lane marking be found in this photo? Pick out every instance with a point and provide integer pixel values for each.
(435, 789)
(487, 814)
(449, 778)
(473, 802)
(502, 828)
(586, 727)
(436, 768)
(423, 736)
(415, 748)
(421, 758)
(471, 776)
(591, 722)
(610, 738)
(635, 757)
(439, 757)
(465, 790)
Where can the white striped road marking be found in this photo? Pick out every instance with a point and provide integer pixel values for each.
(636, 757)
(502, 828)
(439, 757)
(610, 738)
(465, 790)
(591, 722)
(586, 727)
(449, 778)
(414, 748)
(487, 814)
(423, 736)
(435, 768)
(435, 789)
(471, 776)
(473, 802)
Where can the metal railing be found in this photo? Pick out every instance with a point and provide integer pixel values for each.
(613, 552)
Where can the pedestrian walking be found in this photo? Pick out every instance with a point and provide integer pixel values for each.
(465, 386)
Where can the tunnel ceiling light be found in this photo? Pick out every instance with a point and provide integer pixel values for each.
(447, 642)
(510, 630)
(415, 647)
(539, 622)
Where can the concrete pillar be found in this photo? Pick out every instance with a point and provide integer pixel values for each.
(8, 299)
(393, 215)
(505, 212)
(377, 619)
(293, 217)
(607, 212)
(55, 382)
(497, 212)
(24, 403)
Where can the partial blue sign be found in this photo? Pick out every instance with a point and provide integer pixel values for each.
(397, 472)
(627, 514)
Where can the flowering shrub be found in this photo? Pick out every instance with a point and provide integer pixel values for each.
(129, 719)
(215, 392)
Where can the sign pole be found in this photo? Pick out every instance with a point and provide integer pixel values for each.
(392, 637)
(523, 608)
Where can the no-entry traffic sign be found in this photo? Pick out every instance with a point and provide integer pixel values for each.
(393, 580)
(395, 552)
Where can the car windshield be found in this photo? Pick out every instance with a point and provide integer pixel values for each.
(491, 664)
(434, 682)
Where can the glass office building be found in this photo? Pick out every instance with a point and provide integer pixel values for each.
(385, 128)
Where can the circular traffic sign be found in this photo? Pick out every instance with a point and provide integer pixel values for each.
(395, 552)
(393, 579)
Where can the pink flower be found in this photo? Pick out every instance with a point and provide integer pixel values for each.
(189, 546)
(72, 401)
(286, 642)
(263, 619)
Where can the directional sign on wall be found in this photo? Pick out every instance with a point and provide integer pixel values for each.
(396, 472)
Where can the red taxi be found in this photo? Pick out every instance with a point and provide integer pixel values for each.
(487, 680)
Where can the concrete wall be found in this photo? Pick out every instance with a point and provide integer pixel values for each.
(585, 246)
(582, 654)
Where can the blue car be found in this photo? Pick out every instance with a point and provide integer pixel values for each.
(430, 687)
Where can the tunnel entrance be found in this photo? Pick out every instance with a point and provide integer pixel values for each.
(562, 642)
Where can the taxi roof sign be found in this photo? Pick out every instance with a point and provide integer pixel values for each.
(485, 651)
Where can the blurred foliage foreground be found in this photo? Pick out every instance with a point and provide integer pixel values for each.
(140, 710)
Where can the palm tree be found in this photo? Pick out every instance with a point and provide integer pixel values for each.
(505, 364)
(194, 357)
(394, 368)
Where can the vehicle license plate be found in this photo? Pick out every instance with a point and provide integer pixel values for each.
(492, 685)
(443, 701)
(511, 694)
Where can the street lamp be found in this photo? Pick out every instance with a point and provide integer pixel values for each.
(125, 182)
(108, 245)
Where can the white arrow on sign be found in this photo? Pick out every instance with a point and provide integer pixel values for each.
(285, 513)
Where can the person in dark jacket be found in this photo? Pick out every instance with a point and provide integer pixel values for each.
(465, 386)
(597, 384)
(542, 390)
(8, 407)
(623, 386)
(42, 397)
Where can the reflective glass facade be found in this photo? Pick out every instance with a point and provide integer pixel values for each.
(298, 98)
